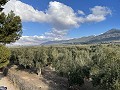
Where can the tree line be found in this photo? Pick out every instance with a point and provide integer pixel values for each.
(98, 62)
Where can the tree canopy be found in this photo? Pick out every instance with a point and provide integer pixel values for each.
(2, 2)
(10, 26)
(99, 63)
(10, 31)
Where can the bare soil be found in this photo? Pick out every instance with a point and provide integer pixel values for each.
(48, 81)
(4, 81)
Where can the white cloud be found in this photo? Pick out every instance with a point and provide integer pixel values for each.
(35, 40)
(59, 34)
(25, 11)
(99, 13)
(99, 10)
(61, 17)
(30, 40)
(81, 12)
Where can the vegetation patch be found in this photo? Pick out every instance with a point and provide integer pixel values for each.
(4, 56)
(98, 63)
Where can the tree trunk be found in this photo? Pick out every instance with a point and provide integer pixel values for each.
(39, 72)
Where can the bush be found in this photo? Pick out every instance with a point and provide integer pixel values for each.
(106, 67)
(99, 62)
(4, 56)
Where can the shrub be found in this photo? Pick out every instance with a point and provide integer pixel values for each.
(4, 56)
(107, 64)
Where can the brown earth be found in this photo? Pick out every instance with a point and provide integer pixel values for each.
(5, 82)
(48, 81)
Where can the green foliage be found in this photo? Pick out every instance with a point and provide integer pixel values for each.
(4, 56)
(26, 58)
(99, 62)
(40, 57)
(10, 28)
(76, 77)
(106, 67)
(2, 2)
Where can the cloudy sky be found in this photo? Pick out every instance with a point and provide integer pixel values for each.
(46, 20)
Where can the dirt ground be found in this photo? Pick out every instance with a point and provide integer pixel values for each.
(49, 79)
(44, 82)
(5, 82)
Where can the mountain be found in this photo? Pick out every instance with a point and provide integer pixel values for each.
(109, 36)
(112, 35)
(71, 41)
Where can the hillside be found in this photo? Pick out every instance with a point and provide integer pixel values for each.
(112, 35)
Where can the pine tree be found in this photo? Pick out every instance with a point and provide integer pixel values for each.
(10, 31)
(10, 26)
(2, 2)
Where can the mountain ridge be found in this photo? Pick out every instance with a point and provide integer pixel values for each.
(107, 37)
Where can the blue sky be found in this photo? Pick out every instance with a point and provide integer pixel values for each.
(45, 20)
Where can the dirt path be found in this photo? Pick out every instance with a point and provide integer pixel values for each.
(48, 81)
(5, 82)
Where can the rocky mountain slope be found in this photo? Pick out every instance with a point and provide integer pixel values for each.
(112, 35)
